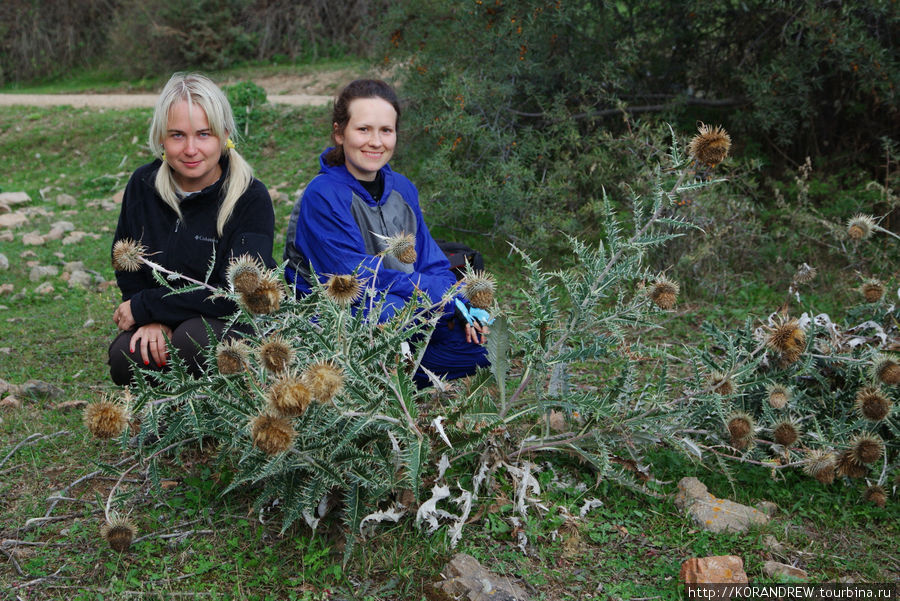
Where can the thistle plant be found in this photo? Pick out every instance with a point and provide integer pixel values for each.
(317, 403)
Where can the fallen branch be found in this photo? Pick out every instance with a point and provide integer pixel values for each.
(31, 440)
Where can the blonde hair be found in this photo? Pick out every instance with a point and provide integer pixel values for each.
(198, 89)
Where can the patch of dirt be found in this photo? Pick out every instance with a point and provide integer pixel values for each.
(322, 83)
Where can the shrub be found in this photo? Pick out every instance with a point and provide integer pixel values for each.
(244, 97)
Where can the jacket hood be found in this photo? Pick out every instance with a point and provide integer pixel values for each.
(341, 173)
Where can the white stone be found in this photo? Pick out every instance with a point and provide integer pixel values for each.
(66, 226)
(12, 220)
(14, 198)
(39, 272)
(73, 238)
(4, 262)
(32, 239)
(45, 288)
(80, 278)
(66, 200)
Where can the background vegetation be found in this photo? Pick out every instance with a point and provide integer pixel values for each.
(517, 141)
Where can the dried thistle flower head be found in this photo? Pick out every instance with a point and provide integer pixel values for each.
(876, 495)
(271, 434)
(664, 293)
(866, 448)
(710, 146)
(805, 274)
(106, 418)
(231, 356)
(118, 533)
(778, 396)
(721, 383)
(244, 274)
(276, 354)
(872, 404)
(401, 246)
(740, 426)
(787, 339)
(786, 433)
(847, 465)
(860, 227)
(289, 396)
(886, 369)
(266, 298)
(479, 288)
(324, 380)
(872, 290)
(343, 290)
(128, 255)
(820, 465)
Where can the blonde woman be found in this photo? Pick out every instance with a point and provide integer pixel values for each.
(196, 204)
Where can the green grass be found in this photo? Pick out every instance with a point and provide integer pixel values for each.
(632, 546)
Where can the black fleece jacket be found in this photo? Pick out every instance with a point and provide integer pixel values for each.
(188, 245)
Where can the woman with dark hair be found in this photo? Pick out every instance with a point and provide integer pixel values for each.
(197, 204)
(346, 213)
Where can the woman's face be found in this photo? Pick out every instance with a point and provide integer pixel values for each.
(369, 136)
(192, 150)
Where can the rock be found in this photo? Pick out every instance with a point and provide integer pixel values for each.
(33, 239)
(557, 421)
(118, 196)
(465, 578)
(40, 272)
(6, 387)
(6, 236)
(6, 289)
(80, 278)
(73, 266)
(12, 220)
(771, 544)
(54, 234)
(40, 390)
(10, 402)
(66, 200)
(4, 262)
(767, 507)
(14, 198)
(69, 405)
(715, 515)
(88, 324)
(66, 226)
(774, 569)
(45, 288)
(25, 254)
(719, 569)
(73, 238)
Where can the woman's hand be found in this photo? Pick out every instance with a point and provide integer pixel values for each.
(123, 318)
(473, 330)
(152, 338)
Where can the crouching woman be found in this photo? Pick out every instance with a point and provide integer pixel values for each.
(196, 205)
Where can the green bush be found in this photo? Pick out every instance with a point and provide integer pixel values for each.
(244, 97)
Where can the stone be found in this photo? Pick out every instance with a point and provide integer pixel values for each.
(69, 405)
(33, 239)
(65, 226)
(54, 234)
(4, 262)
(40, 390)
(713, 514)
(771, 544)
(66, 200)
(73, 266)
(775, 569)
(118, 196)
(718, 569)
(465, 578)
(45, 288)
(27, 254)
(6, 387)
(10, 402)
(73, 238)
(80, 278)
(767, 507)
(39, 272)
(6, 236)
(88, 324)
(12, 220)
(14, 198)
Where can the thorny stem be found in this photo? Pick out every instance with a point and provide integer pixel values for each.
(409, 420)
(157, 267)
(598, 283)
(774, 466)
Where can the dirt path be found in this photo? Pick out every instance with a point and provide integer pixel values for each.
(310, 89)
(128, 101)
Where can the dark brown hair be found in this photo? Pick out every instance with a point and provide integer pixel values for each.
(361, 88)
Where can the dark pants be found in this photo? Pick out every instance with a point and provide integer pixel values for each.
(189, 339)
(449, 355)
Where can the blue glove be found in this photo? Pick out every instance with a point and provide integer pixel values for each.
(472, 315)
